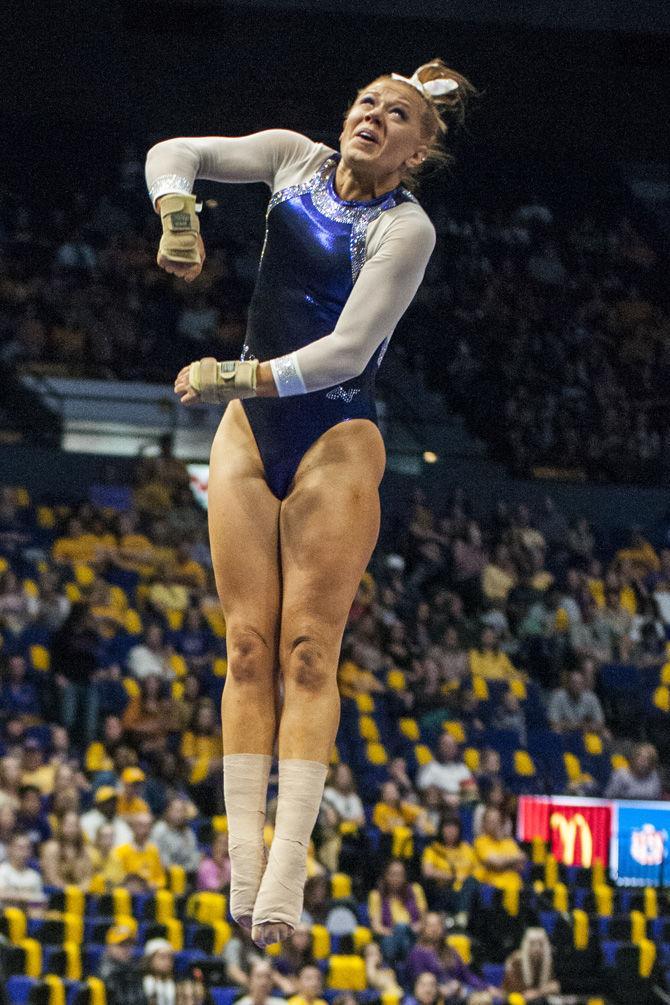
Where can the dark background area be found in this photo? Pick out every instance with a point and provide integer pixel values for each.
(90, 77)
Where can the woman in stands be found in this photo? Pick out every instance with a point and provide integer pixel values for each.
(296, 465)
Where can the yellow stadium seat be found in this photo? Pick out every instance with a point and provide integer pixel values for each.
(40, 657)
(132, 687)
(538, 851)
(164, 906)
(222, 935)
(220, 824)
(650, 902)
(362, 936)
(665, 673)
(206, 907)
(462, 945)
(175, 620)
(175, 933)
(516, 999)
(647, 957)
(96, 991)
(340, 885)
(17, 924)
(518, 689)
(560, 902)
(33, 957)
(320, 942)
(274, 949)
(593, 744)
(4, 564)
(46, 518)
(56, 989)
(423, 754)
(346, 973)
(367, 728)
(510, 900)
(30, 587)
(74, 927)
(573, 768)
(661, 698)
(365, 703)
(177, 880)
(580, 929)
(73, 969)
(455, 729)
(471, 759)
(73, 593)
(402, 844)
(178, 664)
(395, 679)
(21, 497)
(604, 896)
(75, 901)
(220, 667)
(376, 754)
(597, 874)
(177, 690)
(133, 622)
(334, 756)
(619, 762)
(391, 997)
(638, 927)
(123, 905)
(480, 688)
(118, 597)
(523, 764)
(410, 729)
(216, 622)
(550, 872)
(83, 574)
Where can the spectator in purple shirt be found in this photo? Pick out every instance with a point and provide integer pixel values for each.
(18, 697)
(214, 869)
(432, 955)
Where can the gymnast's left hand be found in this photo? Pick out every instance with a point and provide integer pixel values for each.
(187, 395)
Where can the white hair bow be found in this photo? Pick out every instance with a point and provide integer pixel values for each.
(431, 88)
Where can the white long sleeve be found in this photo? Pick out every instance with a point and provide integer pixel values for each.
(399, 244)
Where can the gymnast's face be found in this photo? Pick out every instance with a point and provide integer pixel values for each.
(382, 134)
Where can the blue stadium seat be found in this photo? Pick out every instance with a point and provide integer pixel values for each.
(18, 989)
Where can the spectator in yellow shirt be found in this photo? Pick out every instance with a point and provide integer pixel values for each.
(391, 811)
(448, 866)
(397, 909)
(78, 545)
(500, 858)
(489, 661)
(35, 772)
(130, 800)
(639, 552)
(140, 859)
(310, 987)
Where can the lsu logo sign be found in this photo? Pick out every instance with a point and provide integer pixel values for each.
(647, 845)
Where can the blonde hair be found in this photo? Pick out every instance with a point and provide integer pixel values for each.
(439, 114)
(546, 966)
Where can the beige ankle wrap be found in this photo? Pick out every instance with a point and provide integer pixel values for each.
(245, 784)
(280, 896)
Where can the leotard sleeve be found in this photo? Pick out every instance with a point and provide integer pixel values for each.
(270, 156)
(382, 293)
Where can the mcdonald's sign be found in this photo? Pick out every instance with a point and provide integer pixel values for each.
(578, 830)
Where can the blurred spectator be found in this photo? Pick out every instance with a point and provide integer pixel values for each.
(448, 866)
(31, 818)
(140, 859)
(295, 954)
(391, 811)
(316, 905)
(17, 608)
(130, 801)
(240, 956)
(379, 975)
(151, 657)
(500, 857)
(174, 838)
(509, 715)
(396, 910)
(65, 859)
(592, 636)
(341, 812)
(35, 770)
(74, 661)
(107, 869)
(20, 886)
(575, 707)
(640, 780)
(529, 971)
(432, 956)
(118, 970)
(151, 716)
(214, 869)
(310, 987)
(105, 812)
(18, 697)
(260, 983)
(489, 661)
(158, 963)
(494, 794)
(447, 772)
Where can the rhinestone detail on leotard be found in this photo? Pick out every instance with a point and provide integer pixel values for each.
(167, 183)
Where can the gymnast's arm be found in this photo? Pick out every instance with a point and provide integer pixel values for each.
(382, 293)
(173, 165)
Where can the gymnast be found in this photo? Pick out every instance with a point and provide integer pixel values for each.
(297, 459)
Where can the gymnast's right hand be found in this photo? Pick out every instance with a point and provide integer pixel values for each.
(181, 250)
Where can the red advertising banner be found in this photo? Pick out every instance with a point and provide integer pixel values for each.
(578, 830)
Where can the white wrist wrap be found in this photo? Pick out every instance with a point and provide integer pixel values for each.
(280, 897)
(287, 375)
(245, 784)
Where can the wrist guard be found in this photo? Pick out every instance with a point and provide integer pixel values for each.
(180, 229)
(219, 383)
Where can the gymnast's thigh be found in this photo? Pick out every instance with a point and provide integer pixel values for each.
(329, 524)
(244, 530)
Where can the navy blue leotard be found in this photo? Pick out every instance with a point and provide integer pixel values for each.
(313, 252)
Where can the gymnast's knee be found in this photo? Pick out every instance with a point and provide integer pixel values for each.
(250, 658)
(309, 663)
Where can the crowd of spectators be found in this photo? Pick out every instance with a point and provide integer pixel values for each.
(113, 660)
(550, 333)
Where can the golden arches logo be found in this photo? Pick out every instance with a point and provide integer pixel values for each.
(568, 831)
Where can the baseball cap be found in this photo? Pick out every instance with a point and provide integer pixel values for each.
(118, 934)
(104, 793)
(132, 775)
(156, 946)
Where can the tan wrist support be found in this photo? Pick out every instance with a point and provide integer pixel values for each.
(218, 383)
(181, 227)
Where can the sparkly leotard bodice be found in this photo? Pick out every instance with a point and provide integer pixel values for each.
(313, 252)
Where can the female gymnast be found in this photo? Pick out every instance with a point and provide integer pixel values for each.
(297, 459)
